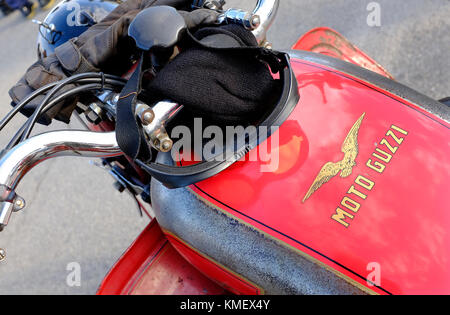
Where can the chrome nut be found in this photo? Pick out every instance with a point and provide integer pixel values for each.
(162, 142)
(94, 114)
(147, 116)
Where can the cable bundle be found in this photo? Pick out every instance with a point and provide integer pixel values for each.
(90, 81)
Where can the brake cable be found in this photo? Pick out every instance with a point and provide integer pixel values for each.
(108, 81)
(16, 139)
(47, 87)
(49, 95)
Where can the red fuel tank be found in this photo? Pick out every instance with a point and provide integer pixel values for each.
(356, 180)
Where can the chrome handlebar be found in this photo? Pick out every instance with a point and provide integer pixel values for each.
(18, 161)
(267, 11)
(259, 21)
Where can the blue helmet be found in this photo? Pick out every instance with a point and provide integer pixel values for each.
(69, 19)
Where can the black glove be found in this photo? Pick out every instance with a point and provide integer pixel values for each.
(223, 87)
(104, 47)
(39, 74)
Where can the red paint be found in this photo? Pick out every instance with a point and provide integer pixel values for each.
(152, 266)
(228, 280)
(327, 41)
(403, 224)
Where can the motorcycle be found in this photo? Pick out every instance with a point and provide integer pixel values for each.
(364, 192)
(5, 8)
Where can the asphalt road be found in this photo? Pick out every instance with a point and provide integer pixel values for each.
(74, 215)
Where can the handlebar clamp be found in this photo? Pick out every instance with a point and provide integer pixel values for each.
(237, 16)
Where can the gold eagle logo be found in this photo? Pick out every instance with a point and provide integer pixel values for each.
(345, 166)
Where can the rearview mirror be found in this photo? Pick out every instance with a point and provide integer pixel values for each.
(155, 28)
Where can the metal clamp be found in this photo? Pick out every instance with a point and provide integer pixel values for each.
(258, 21)
(156, 131)
(153, 119)
(237, 16)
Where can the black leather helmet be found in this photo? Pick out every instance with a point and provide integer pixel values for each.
(68, 19)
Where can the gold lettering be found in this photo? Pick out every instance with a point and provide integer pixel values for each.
(353, 190)
(340, 216)
(376, 166)
(380, 157)
(399, 129)
(388, 145)
(392, 134)
(364, 182)
(386, 156)
(350, 204)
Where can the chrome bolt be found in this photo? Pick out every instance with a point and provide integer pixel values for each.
(147, 117)
(166, 145)
(266, 44)
(162, 142)
(97, 109)
(94, 114)
(19, 204)
(255, 21)
(2, 254)
(145, 114)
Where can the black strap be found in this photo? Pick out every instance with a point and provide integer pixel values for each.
(132, 141)
(275, 59)
(175, 177)
(129, 134)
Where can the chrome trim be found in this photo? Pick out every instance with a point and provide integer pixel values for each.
(164, 111)
(267, 11)
(156, 132)
(18, 161)
(154, 124)
(241, 17)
